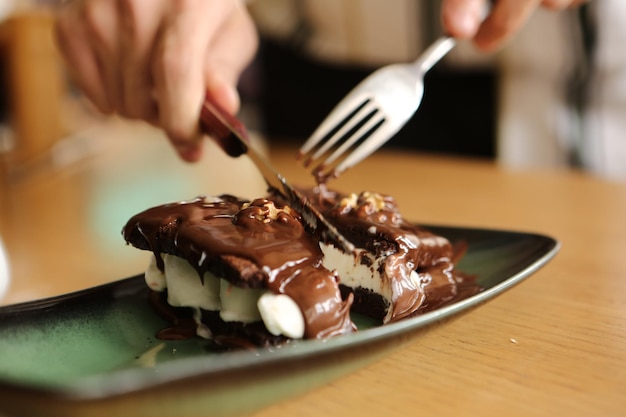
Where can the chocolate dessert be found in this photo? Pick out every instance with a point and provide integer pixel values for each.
(401, 268)
(249, 273)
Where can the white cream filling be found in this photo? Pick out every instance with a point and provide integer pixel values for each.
(184, 287)
(155, 278)
(367, 275)
(355, 273)
(279, 313)
(239, 304)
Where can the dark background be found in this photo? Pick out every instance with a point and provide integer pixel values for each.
(457, 114)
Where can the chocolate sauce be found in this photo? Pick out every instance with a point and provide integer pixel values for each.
(209, 234)
(263, 244)
(182, 325)
(374, 222)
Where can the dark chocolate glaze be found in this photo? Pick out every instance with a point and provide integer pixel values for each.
(373, 221)
(243, 243)
(252, 248)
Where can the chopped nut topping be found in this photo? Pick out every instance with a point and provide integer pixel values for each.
(269, 212)
(351, 201)
(375, 199)
(354, 201)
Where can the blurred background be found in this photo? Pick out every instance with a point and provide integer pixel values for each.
(554, 96)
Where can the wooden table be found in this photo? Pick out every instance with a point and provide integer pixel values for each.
(554, 345)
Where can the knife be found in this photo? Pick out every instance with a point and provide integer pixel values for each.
(232, 135)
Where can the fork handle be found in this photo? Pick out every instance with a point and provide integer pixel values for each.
(443, 45)
(434, 53)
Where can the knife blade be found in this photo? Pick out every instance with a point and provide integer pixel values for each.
(224, 127)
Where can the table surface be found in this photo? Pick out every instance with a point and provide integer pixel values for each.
(556, 343)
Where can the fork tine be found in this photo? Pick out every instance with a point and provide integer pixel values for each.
(341, 160)
(368, 127)
(349, 134)
(378, 137)
(339, 115)
(351, 123)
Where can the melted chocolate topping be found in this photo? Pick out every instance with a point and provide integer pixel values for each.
(242, 242)
(263, 244)
(373, 221)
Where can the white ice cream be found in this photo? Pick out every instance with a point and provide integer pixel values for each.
(280, 314)
(354, 273)
(186, 289)
(155, 278)
(239, 304)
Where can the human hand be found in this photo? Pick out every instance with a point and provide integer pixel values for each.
(154, 60)
(462, 18)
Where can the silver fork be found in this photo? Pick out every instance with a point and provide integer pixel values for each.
(370, 114)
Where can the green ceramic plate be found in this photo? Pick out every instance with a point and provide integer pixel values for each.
(93, 352)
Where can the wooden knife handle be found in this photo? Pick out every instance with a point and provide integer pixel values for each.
(223, 127)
